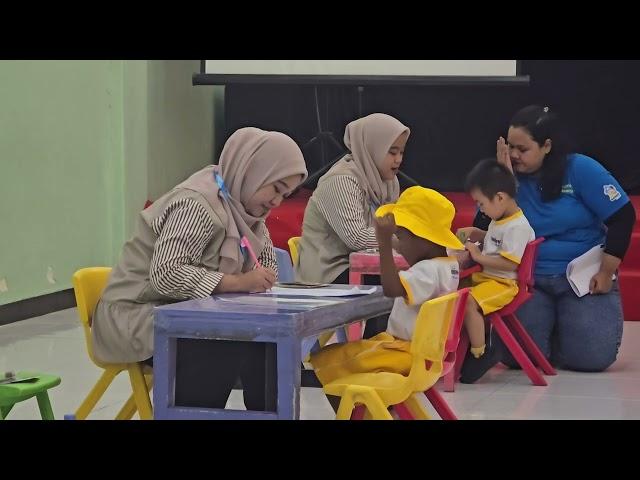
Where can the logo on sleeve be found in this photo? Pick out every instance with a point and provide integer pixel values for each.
(567, 189)
(611, 192)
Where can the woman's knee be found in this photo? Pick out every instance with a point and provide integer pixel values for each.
(588, 361)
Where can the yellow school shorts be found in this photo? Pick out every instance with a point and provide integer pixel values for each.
(382, 353)
(492, 293)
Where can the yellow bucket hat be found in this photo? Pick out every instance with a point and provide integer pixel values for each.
(425, 213)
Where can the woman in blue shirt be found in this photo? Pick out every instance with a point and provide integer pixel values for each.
(576, 204)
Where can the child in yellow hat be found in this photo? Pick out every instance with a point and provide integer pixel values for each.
(421, 220)
(493, 187)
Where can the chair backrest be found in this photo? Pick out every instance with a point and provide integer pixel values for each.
(88, 284)
(285, 267)
(430, 337)
(293, 248)
(527, 264)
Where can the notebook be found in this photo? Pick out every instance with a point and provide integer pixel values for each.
(581, 269)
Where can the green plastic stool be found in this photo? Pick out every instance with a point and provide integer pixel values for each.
(13, 393)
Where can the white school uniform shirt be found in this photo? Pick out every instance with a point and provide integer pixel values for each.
(425, 280)
(507, 238)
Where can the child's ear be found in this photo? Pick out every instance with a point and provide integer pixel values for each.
(501, 196)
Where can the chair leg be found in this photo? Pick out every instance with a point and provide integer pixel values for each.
(368, 397)
(4, 411)
(140, 391)
(358, 412)
(439, 404)
(346, 407)
(518, 353)
(403, 412)
(96, 393)
(129, 409)
(356, 394)
(461, 352)
(46, 412)
(378, 409)
(529, 345)
(449, 380)
(342, 335)
(354, 331)
(416, 408)
(149, 380)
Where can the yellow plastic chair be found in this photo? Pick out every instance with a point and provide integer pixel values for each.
(378, 391)
(88, 284)
(293, 243)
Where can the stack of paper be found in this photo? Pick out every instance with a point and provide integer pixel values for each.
(321, 292)
(581, 270)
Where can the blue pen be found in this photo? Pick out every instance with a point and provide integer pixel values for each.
(221, 185)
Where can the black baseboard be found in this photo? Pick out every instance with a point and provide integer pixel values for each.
(34, 307)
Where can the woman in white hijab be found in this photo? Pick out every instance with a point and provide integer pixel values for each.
(186, 246)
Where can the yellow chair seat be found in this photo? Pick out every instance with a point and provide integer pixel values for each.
(392, 388)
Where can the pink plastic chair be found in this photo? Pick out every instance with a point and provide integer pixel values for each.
(361, 264)
(511, 332)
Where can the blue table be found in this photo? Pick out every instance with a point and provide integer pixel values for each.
(284, 321)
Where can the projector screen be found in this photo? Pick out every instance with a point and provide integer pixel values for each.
(359, 72)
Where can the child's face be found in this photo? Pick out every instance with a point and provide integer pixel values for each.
(411, 247)
(493, 208)
(392, 161)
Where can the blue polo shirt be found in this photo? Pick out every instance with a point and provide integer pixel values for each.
(573, 223)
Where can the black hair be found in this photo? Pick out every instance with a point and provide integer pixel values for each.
(542, 125)
(490, 177)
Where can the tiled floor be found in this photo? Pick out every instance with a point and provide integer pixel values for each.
(54, 344)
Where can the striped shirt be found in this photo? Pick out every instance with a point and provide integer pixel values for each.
(184, 230)
(340, 200)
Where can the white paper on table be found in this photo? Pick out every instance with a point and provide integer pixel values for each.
(320, 292)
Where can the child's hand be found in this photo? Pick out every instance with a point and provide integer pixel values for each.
(473, 249)
(385, 227)
(395, 243)
(471, 234)
(463, 257)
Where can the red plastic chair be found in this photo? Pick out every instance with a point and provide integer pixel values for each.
(510, 330)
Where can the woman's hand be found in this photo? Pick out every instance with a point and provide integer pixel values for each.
(600, 283)
(257, 280)
(502, 154)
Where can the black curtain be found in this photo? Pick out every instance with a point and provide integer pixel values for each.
(453, 127)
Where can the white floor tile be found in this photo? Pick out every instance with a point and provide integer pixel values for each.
(54, 343)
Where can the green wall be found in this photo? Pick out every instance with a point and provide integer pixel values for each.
(82, 145)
